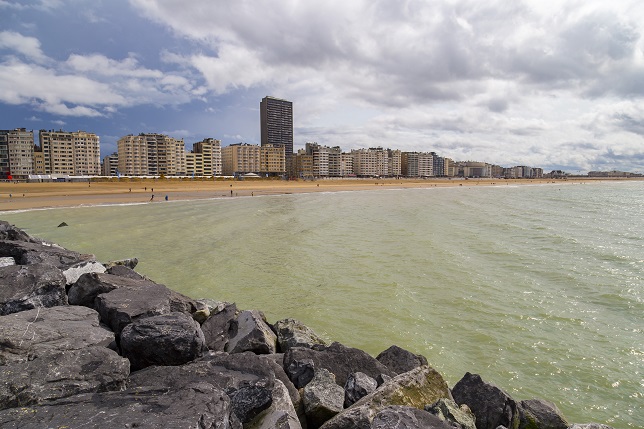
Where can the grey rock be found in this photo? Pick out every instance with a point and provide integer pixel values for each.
(589, 426)
(382, 379)
(130, 263)
(249, 332)
(10, 232)
(491, 405)
(338, 359)
(218, 326)
(169, 339)
(292, 333)
(280, 415)
(400, 417)
(323, 398)
(25, 287)
(400, 360)
(73, 272)
(123, 271)
(247, 402)
(196, 406)
(449, 411)
(300, 371)
(414, 388)
(276, 362)
(90, 285)
(7, 261)
(62, 374)
(358, 386)
(27, 253)
(28, 334)
(541, 414)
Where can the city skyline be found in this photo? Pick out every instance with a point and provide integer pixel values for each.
(520, 83)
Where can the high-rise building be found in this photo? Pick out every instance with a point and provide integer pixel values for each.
(16, 153)
(75, 153)
(276, 119)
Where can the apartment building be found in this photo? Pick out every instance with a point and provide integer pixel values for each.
(272, 160)
(110, 165)
(76, 153)
(151, 155)
(205, 158)
(240, 158)
(16, 154)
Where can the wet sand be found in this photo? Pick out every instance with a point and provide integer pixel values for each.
(21, 196)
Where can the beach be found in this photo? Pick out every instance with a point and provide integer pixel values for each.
(24, 196)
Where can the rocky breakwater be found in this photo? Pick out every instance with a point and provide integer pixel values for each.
(85, 344)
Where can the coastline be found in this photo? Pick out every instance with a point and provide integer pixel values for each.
(28, 196)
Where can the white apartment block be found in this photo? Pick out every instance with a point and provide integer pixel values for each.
(425, 164)
(16, 153)
(75, 153)
(240, 158)
(151, 155)
(205, 158)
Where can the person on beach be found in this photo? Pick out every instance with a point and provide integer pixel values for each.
(152, 198)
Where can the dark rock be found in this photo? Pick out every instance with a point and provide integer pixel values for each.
(123, 271)
(249, 332)
(537, 413)
(449, 411)
(59, 375)
(300, 371)
(280, 415)
(414, 388)
(60, 225)
(169, 339)
(27, 253)
(292, 333)
(25, 287)
(10, 232)
(491, 405)
(28, 334)
(322, 398)
(358, 386)
(400, 360)
(248, 401)
(382, 379)
(196, 406)
(337, 358)
(276, 363)
(399, 417)
(217, 327)
(130, 263)
(90, 285)
(589, 426)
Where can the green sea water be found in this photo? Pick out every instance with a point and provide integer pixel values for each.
(539, 289)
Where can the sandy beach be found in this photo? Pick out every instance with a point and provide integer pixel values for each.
(21, 196)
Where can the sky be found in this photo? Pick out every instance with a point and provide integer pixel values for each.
(544, 83)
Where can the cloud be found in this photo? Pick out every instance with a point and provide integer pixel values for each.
(27, 46)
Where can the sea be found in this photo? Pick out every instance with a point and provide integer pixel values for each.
(537, 288)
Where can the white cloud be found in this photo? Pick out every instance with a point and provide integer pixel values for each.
(27, 46)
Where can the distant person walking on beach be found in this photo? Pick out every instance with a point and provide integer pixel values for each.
(152, 197)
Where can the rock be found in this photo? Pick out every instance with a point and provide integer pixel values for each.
(247, 402)
(449, 411)
(280, 415)
(249, 332)
(300, 371)
(10, 232)
(358, 386)
(25, 287)
(217, 327)
(400, 360)
(73, 272)
(169, 339)
(337, 358)
(130, 263)
(322, 398)
(90, 285)
(62, 224)
(198, 405)
(7, 261)
(399, 417)
(537, 413)
(28, 334)
(291, 333)
(276, 363)
(491, 405)
(382, 379)
(414, 388)
(589, 426)
(62, 374)
(27, 253)
(123, 271)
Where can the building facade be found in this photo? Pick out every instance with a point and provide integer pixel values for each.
(110, 165)
(276, 124)
(151, 155)
(205, 158)
(76, 153)
(16, 154)
(240, 158)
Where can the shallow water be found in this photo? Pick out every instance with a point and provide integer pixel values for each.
(540, 289)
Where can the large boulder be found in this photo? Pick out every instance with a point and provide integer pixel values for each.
(358, 386)
(292, 333)
(30, 333)
(250, 332)
(280, 415)
(449, 411)
(7, 261)
(414, 388)
(73, 272)
(218, 326)
(492, 406)
(323, 398)
(24, 287)
(337, 358)
(199, 405)
(59, 375)
(537, 413)
(10, 232)
(124, 271)
(168, 339)
(90, 285)
(400, 360)
(400, 417)
(27, 253)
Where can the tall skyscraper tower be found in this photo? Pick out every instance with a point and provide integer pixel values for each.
(276, 118)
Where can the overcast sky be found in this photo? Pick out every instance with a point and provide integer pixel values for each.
(552, 84)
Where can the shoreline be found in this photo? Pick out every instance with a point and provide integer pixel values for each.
(31, 196)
